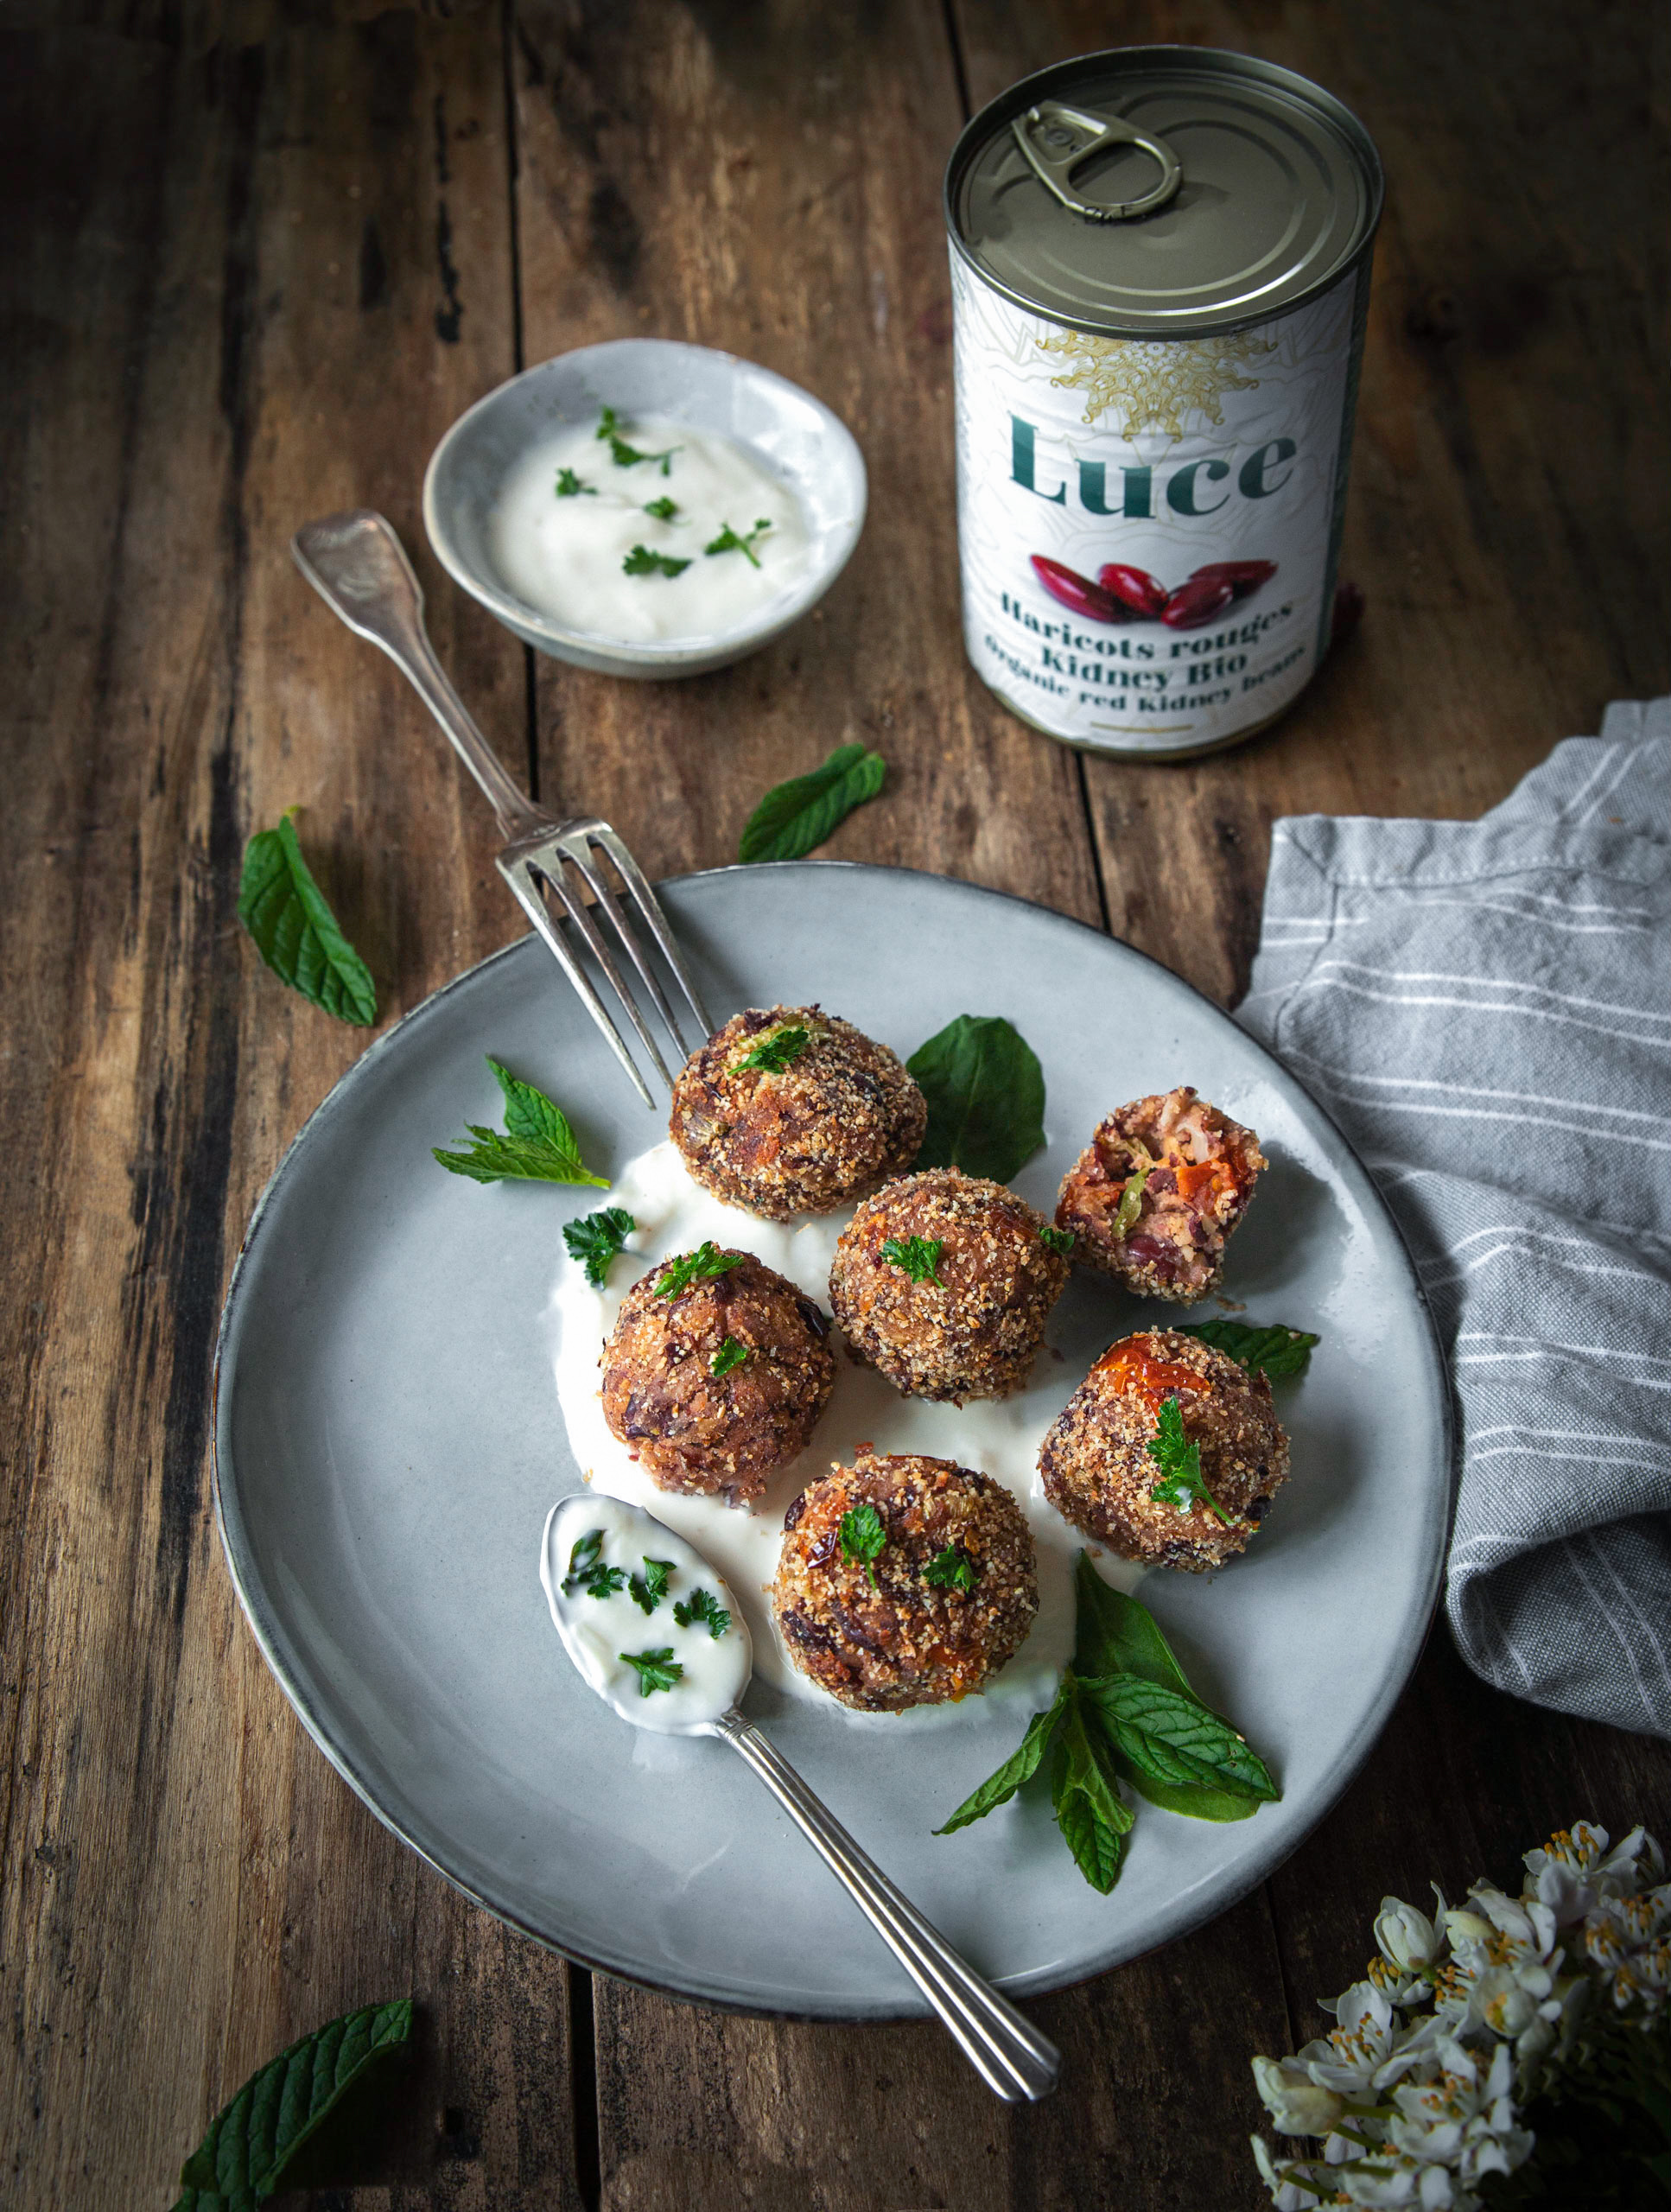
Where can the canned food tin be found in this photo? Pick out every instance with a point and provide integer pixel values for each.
(1161, 268)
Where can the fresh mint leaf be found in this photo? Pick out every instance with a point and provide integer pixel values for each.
(919, 1256)
(1023, 1763)
(703, 1607)
(588, 1571)
(1275, 1350)
(986, 1097)
(1181, 1485)
(795, 817)
(952, 1569)
(295, 930)
(570, 486)
(864, 1537)
(641, 562)
(657, 1670)
(595, 1240)
(776, 1051)
(663, 508)
(730, 1354)
(537, 1146)
(1058, 1240)
(695, 1266)
(1169, 1736)
(1093, 1817)
(729, 541)
(647, 1590)
(1097, 1848)
(244, 2157)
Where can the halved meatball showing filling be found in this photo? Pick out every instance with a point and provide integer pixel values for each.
(788, 1110)
(1155, 1196)
(1220, 1456)
(944, 1281)
(716, 1378)
(904, 1580)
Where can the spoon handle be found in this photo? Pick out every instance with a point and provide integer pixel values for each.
(1004, 2049)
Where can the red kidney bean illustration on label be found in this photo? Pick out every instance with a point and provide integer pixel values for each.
(1079, 591)
(1242, 577)
(1123, 593)
(1136, 588)
(1196, 602)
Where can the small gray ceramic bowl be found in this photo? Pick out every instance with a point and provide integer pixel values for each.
(794, 435)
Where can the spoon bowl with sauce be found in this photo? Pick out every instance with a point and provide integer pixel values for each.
(658, 1636)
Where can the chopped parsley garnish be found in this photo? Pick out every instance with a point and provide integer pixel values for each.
(588, 1571)
(703, 1607)
(863, 1537)
(663, 508)
(694, 1266)
(775, 1050)
(570, 486)
(729, 542)
(952, 1569)
(647, 1590)
(1059, 1240)
(627, 456)
(1179, 1462)
(730, 1354)
(641, 562)
(919, 1256)
(658, 1670)
(595, 1240)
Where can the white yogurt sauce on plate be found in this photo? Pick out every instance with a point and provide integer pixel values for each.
(999, 1438)
(566, 553)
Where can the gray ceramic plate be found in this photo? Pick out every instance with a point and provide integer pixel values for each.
(388, 1443)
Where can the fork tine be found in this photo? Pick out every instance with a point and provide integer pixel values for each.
(548, 857)
(649, 905)
(575, 849)
(520, 877)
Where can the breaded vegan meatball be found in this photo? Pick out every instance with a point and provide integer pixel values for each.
(944, 1281)
(1155, 1196)
(1100, 1474)
(904, 1580)
(716, 1372)
(788, 1110)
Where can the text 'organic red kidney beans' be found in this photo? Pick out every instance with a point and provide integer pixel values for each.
(1160, 263)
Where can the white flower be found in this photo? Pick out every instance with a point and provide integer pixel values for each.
(1465, 2120)
(1407, 1938)
(1294, 2101)
(1285, 2194)
(1367, 2044)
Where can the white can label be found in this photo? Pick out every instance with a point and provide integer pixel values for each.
(1097, 478)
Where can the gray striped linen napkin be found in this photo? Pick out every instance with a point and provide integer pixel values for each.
(1485, 1009)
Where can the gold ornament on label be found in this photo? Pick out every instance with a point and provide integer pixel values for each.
(1155, 385)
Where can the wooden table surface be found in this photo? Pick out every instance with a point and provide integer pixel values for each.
(257, 263)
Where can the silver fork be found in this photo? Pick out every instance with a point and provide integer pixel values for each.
(359, 569)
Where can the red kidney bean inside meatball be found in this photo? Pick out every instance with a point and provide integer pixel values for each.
(1155, 1196)
(904, 1580)
(788, 1110)
(1099, 1473)
(718, 1380)
(944, 1282)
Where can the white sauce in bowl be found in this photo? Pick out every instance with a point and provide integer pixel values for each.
(996, 1438)
(565, 555)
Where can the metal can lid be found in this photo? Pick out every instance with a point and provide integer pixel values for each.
(1162, 191)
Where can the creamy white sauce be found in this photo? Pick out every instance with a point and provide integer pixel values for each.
(563, 555)
(996, 1438)
(599, 1632)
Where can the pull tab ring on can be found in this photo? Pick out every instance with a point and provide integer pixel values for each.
(1055, 171)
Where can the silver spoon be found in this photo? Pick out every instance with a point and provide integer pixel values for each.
(685, 1680)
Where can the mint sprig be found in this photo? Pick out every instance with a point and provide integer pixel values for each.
(295, 930)
(535, 1146)
(796, 816)
(1275, 1350)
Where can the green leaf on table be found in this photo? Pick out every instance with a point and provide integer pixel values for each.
(795, 817)
(986, 1097)
(595, 1240)
(243, 2158)
(1021, 1764)
(1093, 1817)
(537, 1144)
(295, 930)
(1276, 1350)
(1169, 1736)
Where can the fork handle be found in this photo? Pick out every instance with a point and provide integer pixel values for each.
(359, 569)
(1003, 2046)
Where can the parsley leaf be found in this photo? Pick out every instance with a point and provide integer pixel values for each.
(919, 1256)
(864, 1537)
(627, 456)
(647, 1590)
(986, 1097)
(728, 541)
(295, 930)
(795, 817)
(1058, 1240)
(570, 486)
(952, 1569)
(694, 1266)
(775, 1050)
(1179, 1462)
(537, 1145)
(595, 1241)
(730, 1354)
(641, 562)
(663, 508)
(588, 1571)
(703, 1605)
(1275, 1350)
(657, 1670)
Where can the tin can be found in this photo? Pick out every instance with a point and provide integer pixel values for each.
(1160, 271)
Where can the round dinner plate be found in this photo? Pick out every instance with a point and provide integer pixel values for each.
(388, 1443)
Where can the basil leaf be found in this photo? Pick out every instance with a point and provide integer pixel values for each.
(1172, 1739)
(537, 1145)
(1276, 1350)
(795, 817)
(998, 1789)
(986, 1097)
(295, 930)
(243, 2156)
